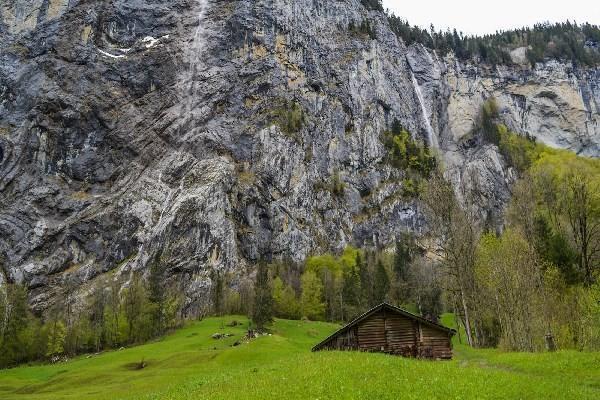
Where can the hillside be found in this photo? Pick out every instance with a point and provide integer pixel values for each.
(189, 364)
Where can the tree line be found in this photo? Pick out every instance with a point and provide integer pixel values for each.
(335, 288)
(560, 41)
(110, 316)
(565, 41)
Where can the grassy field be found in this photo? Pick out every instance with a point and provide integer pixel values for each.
(191, 365)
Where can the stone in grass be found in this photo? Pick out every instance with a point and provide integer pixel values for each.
(218, 335)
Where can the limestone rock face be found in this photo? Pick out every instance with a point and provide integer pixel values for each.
(135, 132)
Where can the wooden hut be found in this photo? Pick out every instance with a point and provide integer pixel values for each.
(392, 330)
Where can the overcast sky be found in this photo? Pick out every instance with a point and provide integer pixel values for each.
(487, 16)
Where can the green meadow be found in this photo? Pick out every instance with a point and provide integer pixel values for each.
(190, 364)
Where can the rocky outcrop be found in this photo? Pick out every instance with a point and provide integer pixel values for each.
(205, 135)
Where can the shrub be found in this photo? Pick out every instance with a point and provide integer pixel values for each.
(408, 154)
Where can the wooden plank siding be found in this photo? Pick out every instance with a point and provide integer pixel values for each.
(391, 330)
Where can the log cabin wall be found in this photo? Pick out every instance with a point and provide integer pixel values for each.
(389, 331)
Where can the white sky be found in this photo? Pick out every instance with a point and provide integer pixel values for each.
(487, 16)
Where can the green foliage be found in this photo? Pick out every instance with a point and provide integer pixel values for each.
(351, 293)
(55, 332)
(285, 301)
(290, 117)
(337, 185)
(535, 281)
(408, 154)
(519, 152)
(335, 265)
(312, 306)
(262, 314)
(364, 28)
(381, 284)
(560, 41)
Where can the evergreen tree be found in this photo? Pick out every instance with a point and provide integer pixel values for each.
(157, 296)
(402, 258)
(351, 293)
(382, 283)
(262, 314)
(366, 283)
(17, 337)
(217, 291)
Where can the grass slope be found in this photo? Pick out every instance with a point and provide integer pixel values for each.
(191, 365)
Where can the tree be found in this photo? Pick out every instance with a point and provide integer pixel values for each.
(351, 293)
(509, 271)
(581, 202)
(217, 291)
(157, 296)
(311, 302)
(17, 338)
(382, 283)
(134, 306)
(262, 314)
(366, 282)
(402, 257)
(96, 313)
(456, 229)
(401, 266)
(55, 332)
(284, 297)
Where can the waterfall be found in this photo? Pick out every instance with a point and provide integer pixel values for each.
(195, 51)
(431, 137)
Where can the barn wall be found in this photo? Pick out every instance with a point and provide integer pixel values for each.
(394, 333)
(435, 343)
(402, 335)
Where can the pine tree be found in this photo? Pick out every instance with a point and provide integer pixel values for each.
(262, 314)
(382, 283)
(351, 293)
(217, 291)
(366, 282)
(157, 296)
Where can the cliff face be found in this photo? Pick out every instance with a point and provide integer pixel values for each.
(207, 134)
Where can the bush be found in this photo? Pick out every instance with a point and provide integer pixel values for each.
(290, 117)
(408, 154)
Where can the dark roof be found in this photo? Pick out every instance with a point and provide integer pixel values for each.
(388, 307)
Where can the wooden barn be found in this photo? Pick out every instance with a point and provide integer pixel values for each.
(391, 330)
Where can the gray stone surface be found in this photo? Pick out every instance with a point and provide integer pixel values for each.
(140, 131)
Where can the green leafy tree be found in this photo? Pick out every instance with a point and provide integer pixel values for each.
(262, 313)
(55, 333)
(311, 301)
(286, 303)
